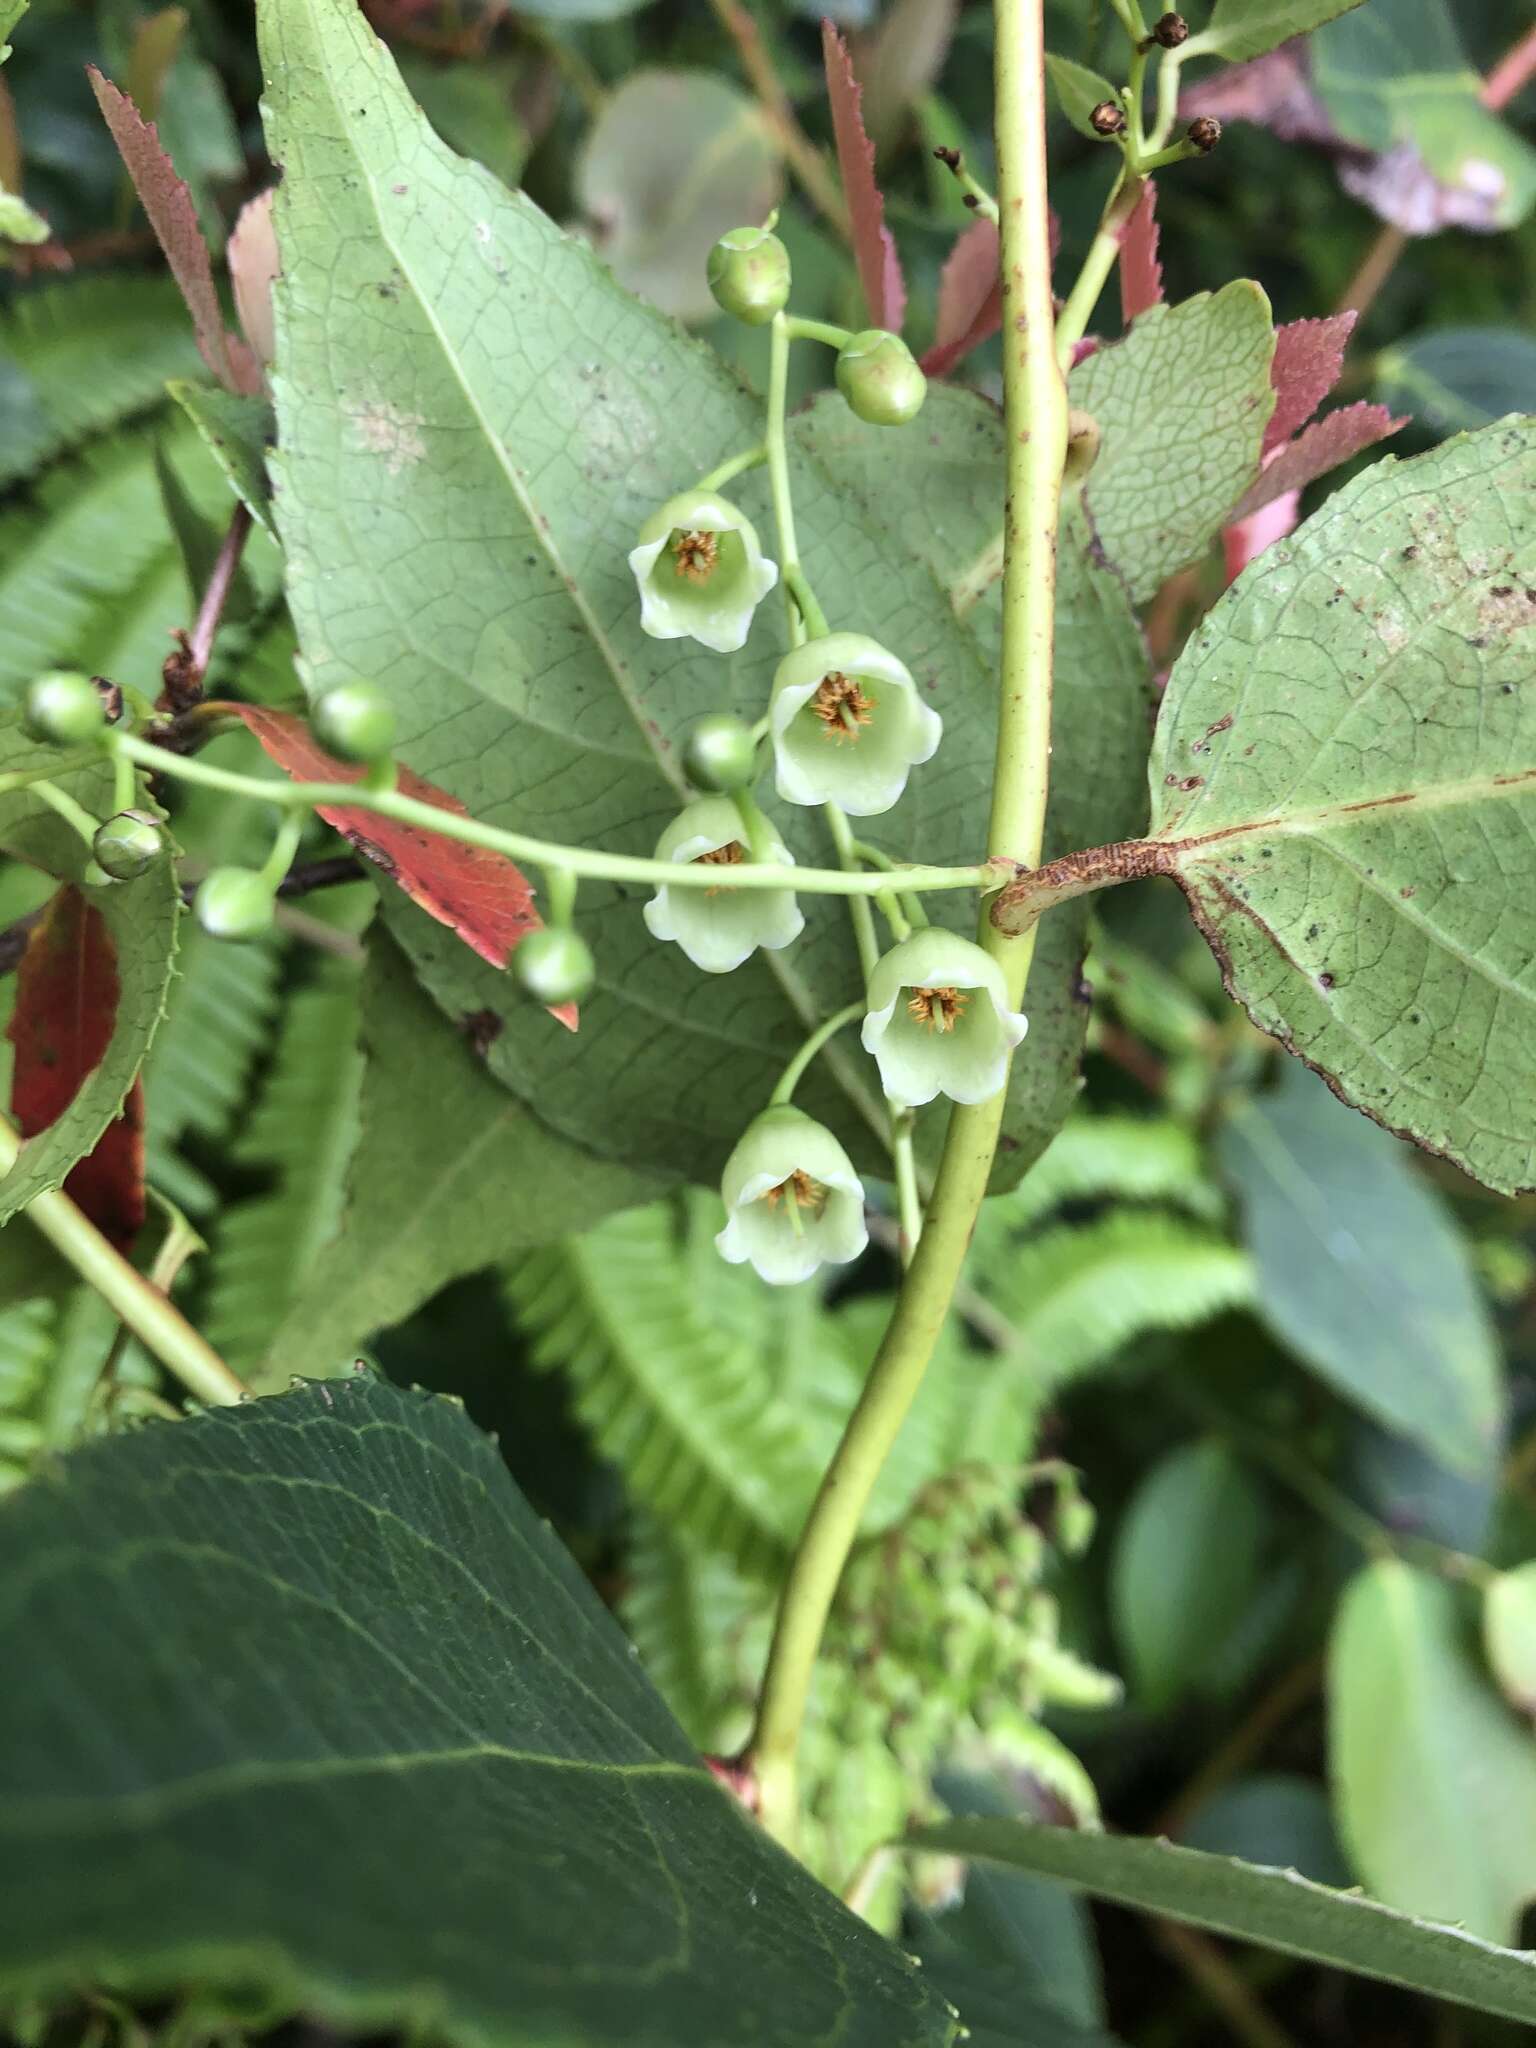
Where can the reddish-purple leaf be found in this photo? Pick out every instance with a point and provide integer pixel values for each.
(1141, 274)
(168, 203)
(1323, 446)
(66, 1007)
(1309, 355)
(481, 895)
(873, 249)
(970, 298)
(1246, 539)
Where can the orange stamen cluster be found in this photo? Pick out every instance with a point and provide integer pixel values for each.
(801, 1190)
(695, 554)
(841, 706)
(939, 1008)
(731, 855)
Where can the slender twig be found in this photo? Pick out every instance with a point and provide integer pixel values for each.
(1248, 1741)
(1036, 431)
(211, 611)
(1221, 1986)
(159, 1327)
(584, 861)
(805, 159)
(1513, 72)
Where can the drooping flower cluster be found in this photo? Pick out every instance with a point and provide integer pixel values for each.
(846, 725)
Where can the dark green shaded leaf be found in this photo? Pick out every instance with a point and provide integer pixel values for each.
(1362, 1271)
(1460, 377)
(1273, 1817)
(1275, 1908)
(1240, 29)
(236, 431)
(375, 1752)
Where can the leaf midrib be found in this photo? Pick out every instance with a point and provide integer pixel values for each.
(1341, 817)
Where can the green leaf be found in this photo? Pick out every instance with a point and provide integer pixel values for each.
(473, 104)
(1240, 29)
(11, 12)
(1460, 377)
(300, 1137)
(320, 1647)
(1137, 1158)
(1072, 1297)
(456, 519)
(1274, 1908)
(450, 1175)
(1362, 1271)
(1509, 1634)
(18, 222)
(1079, 90)
(1182, 403)
(1186, 1564)
(1396, 75)
(673, 161)
(236, 432)
(936, 490)
(1271, 1817)
(1344, 785)
(78, 358)
(141, 917)
(1434, 1779)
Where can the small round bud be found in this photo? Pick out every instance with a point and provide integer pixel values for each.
(749, 275)
(355, 722)
(234, 903)
(721, 753)
(555, 965)
(878, 375)
(64, 710)
(1107, 118)
(1204, 133)
(128, 845)
(1169, 30)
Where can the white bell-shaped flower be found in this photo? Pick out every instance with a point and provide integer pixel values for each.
(701, 572)
(792, 1199)
(847, 725)
(720, 927)
(938, 1020)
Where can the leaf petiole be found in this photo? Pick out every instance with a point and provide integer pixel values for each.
(789, 1080)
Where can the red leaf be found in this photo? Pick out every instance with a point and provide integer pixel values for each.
(1309, 355)
(481, 895)
(66, 1005)
(173, 217)
(1323, 446)
(1141, 274)
(970, 299)
(1246, 539)
(873, 249)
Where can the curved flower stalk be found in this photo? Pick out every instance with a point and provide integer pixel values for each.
(792, 1199)
(847, 725)
(719, 928)
(701, 571)
(939, 1021)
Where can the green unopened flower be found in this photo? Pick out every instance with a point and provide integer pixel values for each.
(792, 1199)
(939, 1021)
(719, 928)
(847, 724)
(701, 572)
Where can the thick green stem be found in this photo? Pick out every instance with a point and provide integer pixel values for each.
(1036, 424)
(161, 1328)
(587, 863)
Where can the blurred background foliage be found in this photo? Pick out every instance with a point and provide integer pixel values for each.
(1296, 1362)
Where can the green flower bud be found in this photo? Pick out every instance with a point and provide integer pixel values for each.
(938, 1021)
(555, 965)
(879, 376)
(128, 845)
(64, 710)
(721, 753)
(792, 1199)
(234, 903)
(355, 722)
(749, 275)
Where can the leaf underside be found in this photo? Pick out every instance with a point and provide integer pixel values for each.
(1344, 784)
